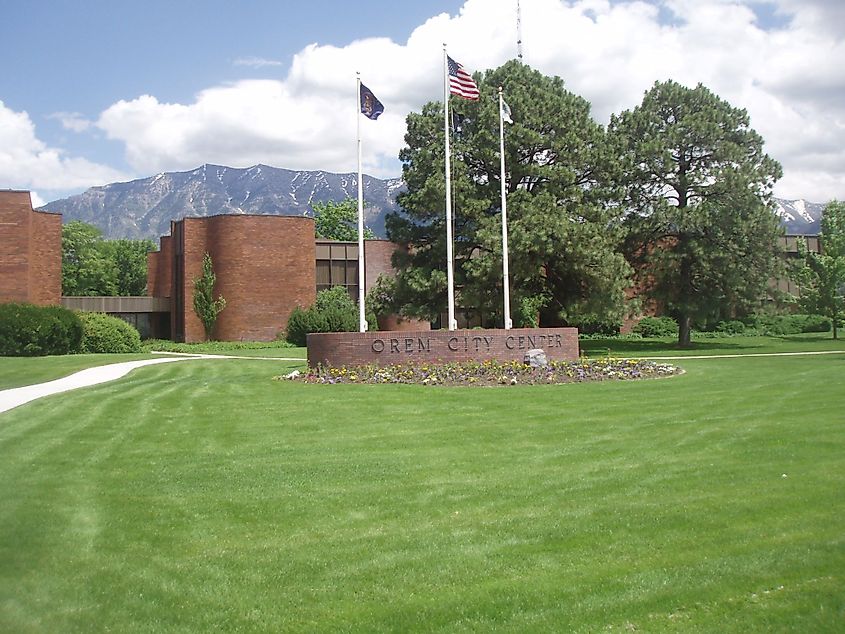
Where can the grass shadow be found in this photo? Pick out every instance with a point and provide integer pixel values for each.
(657, 346)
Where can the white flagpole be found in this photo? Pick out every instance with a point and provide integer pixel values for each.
(450, 274)
(362, 313)
(508, 322)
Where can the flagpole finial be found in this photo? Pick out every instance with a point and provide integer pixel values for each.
(500, 90)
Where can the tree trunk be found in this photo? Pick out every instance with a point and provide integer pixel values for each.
(685, 292)
(684, 328)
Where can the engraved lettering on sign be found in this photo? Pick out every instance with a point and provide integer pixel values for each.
(453, 344)
(394, 345)
(378, 345)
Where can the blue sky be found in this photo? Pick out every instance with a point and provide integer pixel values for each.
(94, 91)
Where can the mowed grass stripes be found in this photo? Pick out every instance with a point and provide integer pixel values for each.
(205, 496)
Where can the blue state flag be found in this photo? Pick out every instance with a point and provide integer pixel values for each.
(370, 106)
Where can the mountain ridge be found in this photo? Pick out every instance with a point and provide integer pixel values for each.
(144, 208)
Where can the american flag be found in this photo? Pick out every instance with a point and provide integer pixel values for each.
(460, 81)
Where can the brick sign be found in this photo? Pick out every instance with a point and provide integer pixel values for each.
(433, 346)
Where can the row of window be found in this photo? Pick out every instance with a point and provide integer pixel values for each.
(337, 265)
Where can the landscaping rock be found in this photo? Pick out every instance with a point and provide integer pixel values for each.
(535, 358)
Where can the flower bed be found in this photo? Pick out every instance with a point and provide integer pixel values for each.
(489, 373)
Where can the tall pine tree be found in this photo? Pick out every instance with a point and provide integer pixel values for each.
(562, 234)
(702, 234)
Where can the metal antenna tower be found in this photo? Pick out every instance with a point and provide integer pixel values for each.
(518, 31)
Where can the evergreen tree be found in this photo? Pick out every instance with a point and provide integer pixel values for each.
(822, 278)
(702, 234)
(562, 234)
(205, 306)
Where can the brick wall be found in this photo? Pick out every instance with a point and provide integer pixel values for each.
(30, 251)
(265, 267)
(160, 269)
(377, 255)
(45, 264)
(432, 346)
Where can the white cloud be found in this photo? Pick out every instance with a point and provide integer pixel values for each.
(27, 162)
(37, 200)
(72, 121)
(609, 52)
(256, 62)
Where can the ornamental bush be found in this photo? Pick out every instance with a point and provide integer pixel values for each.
(776, 325)
(656, 327)
(333, 311)
(731, 327)
(301, 322)
(27, 330)
(106, 334)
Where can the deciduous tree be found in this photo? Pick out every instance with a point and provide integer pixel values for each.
(338, 221)
(822, 278)
(130, 261)
(92, 265)
(86, 268)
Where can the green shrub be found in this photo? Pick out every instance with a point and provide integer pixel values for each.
(656, 327)
(776, 325)
(333, 311)
(106, 334)
(164, 345)
(339, 320)
(732, 327)
(301, 322)
(335, 298)
(814, 323)
(603, 328)
(28, 331)
(527, 312)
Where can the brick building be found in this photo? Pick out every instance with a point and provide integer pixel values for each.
(265, 267)
(30, 251)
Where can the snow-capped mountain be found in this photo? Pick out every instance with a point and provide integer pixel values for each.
(144, 208)
(799, 217)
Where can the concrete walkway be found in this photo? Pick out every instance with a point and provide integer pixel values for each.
(9, 399)
(17, 396)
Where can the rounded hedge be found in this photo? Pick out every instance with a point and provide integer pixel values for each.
(301, 322)
(656, 327)
(103, 333)
(333, 311)
(27, 330)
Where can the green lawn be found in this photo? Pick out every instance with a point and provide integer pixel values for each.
(204, 496)
(19, 371)
(809, 342)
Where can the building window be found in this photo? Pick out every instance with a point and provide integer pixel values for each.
(337, 265)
